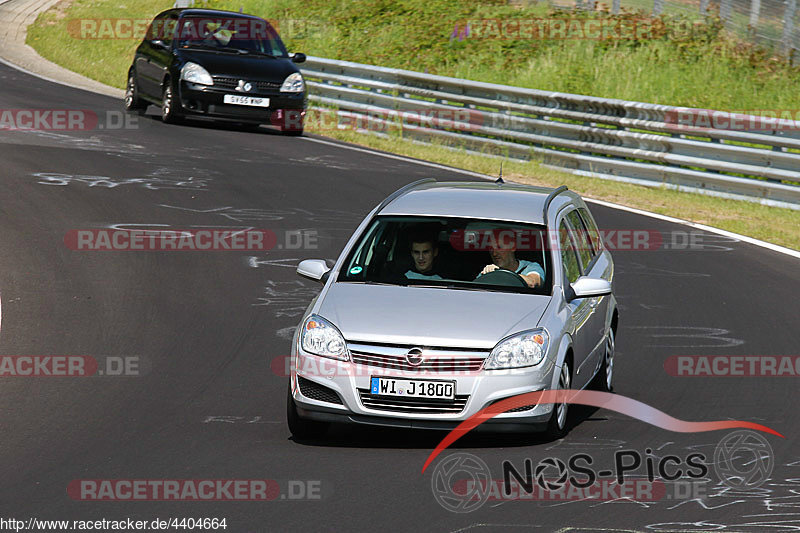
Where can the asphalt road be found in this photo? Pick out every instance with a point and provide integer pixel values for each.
(207, 326)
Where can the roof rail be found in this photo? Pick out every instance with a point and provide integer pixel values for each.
(404, 189)
(550, 198)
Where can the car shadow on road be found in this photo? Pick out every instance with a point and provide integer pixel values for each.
(363, 436)
(153, 118)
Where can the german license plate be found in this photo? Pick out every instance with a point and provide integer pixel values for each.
(414, 388)
(235, 99)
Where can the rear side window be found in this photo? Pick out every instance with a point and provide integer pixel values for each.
(594, 233)
(581, 236)
(569, 258)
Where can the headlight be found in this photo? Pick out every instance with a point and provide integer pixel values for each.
(320, 337)
(293, 84)
(523, 349)
(194, 73)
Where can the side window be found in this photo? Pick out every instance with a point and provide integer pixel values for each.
(170, 25)
(569, 259)
(594, 233)
(156, 29)
(581, 236)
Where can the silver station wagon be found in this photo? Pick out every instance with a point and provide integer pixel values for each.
(449, 297)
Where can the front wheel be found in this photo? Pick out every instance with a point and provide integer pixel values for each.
(557, 426)
(169, 105)
(299, 427)
(606, 374)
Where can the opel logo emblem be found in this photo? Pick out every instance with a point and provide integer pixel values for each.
(414, 356)
(244, 86)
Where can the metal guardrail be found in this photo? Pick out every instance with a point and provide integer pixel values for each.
(608, 138)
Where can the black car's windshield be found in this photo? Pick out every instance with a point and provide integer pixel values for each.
(232, 34)
(452, 253)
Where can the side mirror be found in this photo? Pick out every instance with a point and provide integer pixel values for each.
(298, 57)
(588, 287)
(314, 269)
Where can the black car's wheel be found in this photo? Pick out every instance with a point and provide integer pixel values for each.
(169, 105)
(132, 100)
(557, 426)
(299, 427)
(605, 376)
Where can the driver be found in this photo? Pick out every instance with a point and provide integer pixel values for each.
(424, 250)
(504, 256)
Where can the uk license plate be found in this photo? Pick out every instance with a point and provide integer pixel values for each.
(413, 388)
(235, 99)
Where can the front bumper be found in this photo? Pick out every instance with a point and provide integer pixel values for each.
(286, 110)
(346, 396)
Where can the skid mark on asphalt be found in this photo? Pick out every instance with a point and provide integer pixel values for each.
(152, 181)
(688, 337)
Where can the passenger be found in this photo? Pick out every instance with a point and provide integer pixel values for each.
(505, 257)
(424, 250)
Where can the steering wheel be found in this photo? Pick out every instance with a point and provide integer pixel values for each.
(501, 276)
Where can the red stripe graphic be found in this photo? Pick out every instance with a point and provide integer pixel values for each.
(606, 400)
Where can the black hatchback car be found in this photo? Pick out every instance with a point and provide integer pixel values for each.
(220, 65)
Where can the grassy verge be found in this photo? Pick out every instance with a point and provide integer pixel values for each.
(709, 69)
(672, 59)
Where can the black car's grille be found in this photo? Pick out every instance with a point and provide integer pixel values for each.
(412, 405)
(315, 391)
(393, 357)
(222, 82)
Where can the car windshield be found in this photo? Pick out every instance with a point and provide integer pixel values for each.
(451, 253)
(230, 34)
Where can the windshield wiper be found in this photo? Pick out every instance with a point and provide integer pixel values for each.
(212, 48)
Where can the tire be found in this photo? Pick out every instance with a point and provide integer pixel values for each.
(169, 105)
(605, 377)
(299, 427)
(557, 425)
(132, 100)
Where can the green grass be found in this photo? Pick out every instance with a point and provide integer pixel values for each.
(710, 70)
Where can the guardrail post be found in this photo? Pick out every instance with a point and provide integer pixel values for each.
(615, 7)
(703, 7)
(658, 7)
(788, 25)
(725, 11)
(755, 8)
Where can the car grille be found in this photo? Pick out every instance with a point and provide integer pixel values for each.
(260, 86)
(315, 391)
(412, 405)
(393, 357)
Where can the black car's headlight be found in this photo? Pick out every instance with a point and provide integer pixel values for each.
(194, 73)
(293, 84)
